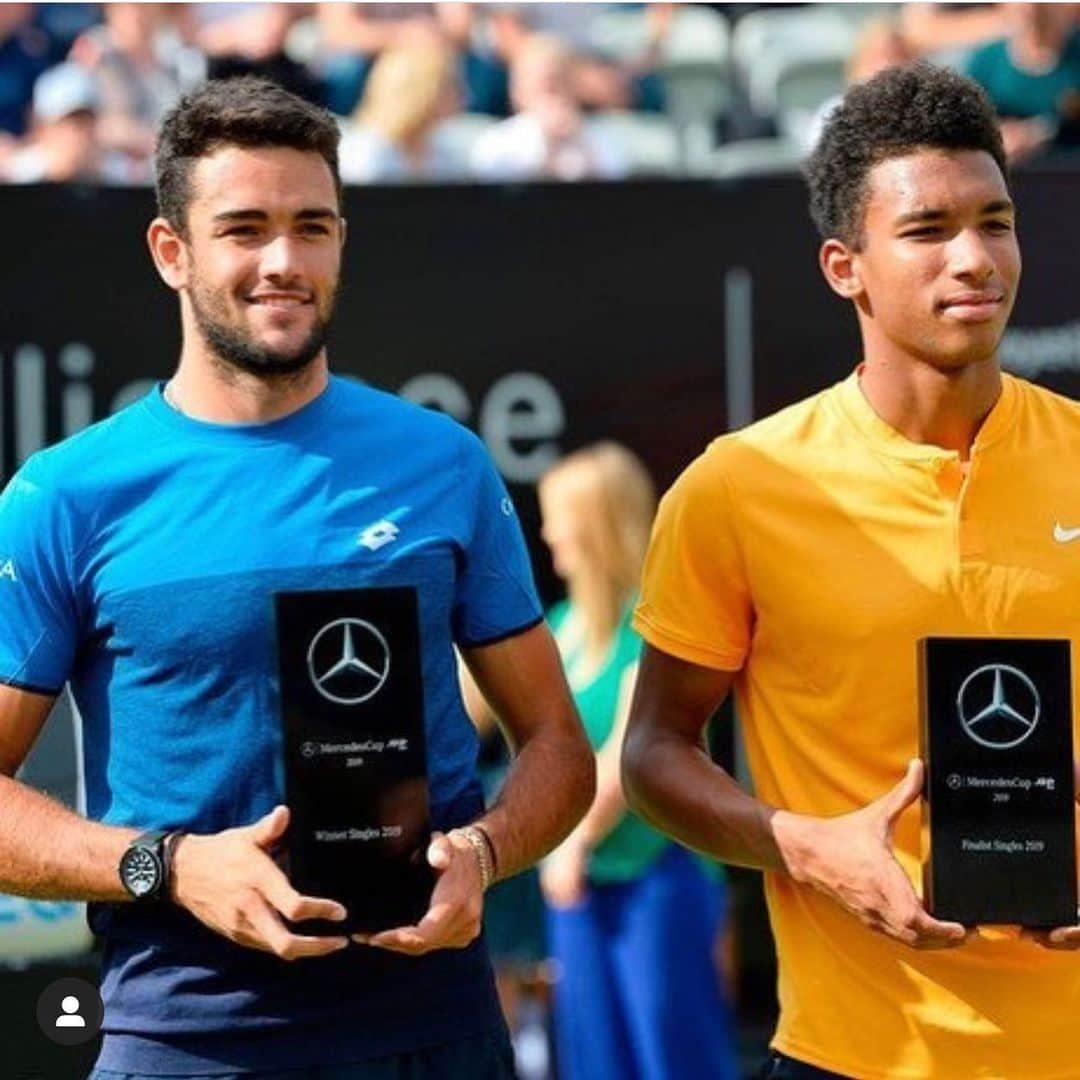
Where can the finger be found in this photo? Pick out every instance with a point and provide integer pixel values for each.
(271, 932)
(895, 802)
(293, 905)
(1062, 937)
(915, 925)
(271, 827)
(443, 924)
(440, 852)
(931, 933)
(441, 927)
(402, 939)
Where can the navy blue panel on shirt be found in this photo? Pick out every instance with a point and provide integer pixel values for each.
(144, 554)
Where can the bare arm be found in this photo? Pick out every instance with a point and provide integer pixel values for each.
(49, 852)
(564, 875)
(46, 850)
(550, 785)
(552, 780)
(670, 780)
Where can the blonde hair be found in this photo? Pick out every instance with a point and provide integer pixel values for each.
(404, 90)
(612, 501)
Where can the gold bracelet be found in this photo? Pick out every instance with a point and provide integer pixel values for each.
(476, 841)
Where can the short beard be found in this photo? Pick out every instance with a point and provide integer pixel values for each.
(236, 349)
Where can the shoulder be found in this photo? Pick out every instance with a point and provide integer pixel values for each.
(76, 465)
(360, 401)
(1050, 416)
(787, 436)
(403, 422)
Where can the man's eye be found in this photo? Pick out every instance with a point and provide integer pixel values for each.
(925, 231)
(314, 230)
(241, 230)
(999, 226)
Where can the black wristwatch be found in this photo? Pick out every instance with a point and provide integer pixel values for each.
(144, 867)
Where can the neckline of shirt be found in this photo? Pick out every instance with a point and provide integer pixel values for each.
(307, 418)
(858, 410)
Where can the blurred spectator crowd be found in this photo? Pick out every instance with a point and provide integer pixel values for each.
(507, 92)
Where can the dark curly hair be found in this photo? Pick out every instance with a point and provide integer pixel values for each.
(244, 111)
(900, 110)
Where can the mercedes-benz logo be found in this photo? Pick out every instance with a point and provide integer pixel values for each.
(998, 706)
(348, 661)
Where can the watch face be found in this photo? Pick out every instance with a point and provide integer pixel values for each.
(140, 871)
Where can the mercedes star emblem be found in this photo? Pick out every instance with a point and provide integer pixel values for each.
(998, 706)
(348, 661)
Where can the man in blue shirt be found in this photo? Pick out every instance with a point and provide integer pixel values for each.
(145, 556)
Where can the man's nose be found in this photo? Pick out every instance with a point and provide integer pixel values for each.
(280, 258)
(969, 256)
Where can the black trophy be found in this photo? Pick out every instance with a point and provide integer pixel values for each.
(355, 760)
(997, 741)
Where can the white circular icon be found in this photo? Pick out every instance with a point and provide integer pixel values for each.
(70, 1013)
(348, 661)
(998, 706)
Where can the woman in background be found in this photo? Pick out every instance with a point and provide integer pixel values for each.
(393, 136)
(632, 917)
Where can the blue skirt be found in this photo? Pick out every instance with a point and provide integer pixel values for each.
(637, 996)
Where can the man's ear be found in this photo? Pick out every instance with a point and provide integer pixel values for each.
(840, 265)
(169, 252)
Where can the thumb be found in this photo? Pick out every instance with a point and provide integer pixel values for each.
(271, 826)
(439, 852)
(895, 802)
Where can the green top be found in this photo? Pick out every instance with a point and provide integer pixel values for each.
(1017, 93)
(632, 846)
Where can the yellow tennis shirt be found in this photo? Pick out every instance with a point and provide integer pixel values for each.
(810, 552)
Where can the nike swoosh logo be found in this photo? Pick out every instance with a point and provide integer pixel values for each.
(1065, 536)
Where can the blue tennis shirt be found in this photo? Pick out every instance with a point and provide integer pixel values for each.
(141, 560)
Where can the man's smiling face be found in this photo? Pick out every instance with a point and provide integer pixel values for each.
(264, 236)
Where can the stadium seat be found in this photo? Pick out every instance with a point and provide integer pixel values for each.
(802, 89)
(694, 68)
(768, 43)
(650, 142)
(696, 73)
(754, 157)
(457, 135)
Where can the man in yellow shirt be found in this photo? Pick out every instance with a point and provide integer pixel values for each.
(800, 560)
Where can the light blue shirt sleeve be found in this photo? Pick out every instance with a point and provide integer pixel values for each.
(39, 617)
(495, 596)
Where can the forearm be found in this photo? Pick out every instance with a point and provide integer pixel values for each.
(549, 787)
(51, 853)
(674, 785)
(608, 807)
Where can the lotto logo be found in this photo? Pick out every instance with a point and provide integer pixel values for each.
(378, 535)
(7, 569)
